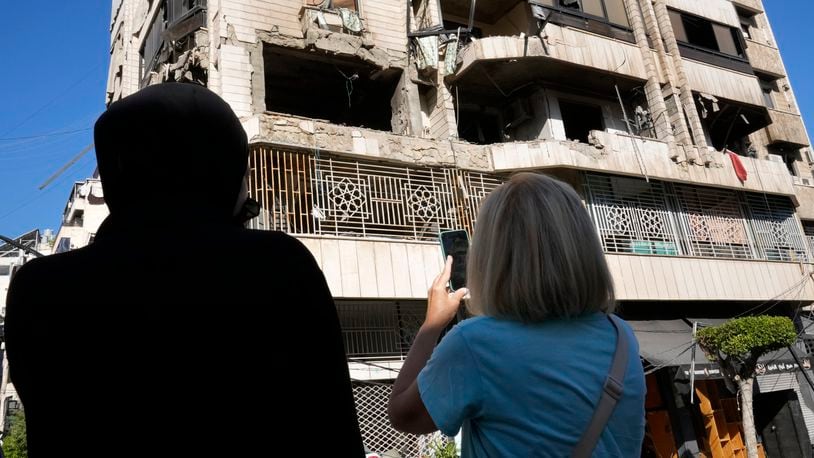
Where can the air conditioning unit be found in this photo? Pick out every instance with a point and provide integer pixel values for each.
(776, 158)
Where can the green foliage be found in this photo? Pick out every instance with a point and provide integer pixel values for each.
(15, 444)
(749, 337)
(441, 449)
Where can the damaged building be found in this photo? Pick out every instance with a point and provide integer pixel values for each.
(375, 124)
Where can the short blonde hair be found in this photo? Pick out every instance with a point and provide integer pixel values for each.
(536, 255)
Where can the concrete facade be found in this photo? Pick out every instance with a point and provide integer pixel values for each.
(372, 128)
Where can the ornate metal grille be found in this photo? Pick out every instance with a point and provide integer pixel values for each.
(301, 193)
(381, 330)
(712, 223)
(634, 216)
(777, 232)
(631, 215)
(377, 433)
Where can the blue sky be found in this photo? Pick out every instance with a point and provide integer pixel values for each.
(55, 58)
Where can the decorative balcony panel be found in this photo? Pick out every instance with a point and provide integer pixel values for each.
(632, 215)
(777, 232)
(713, 222)
(305, 193)
(659, 218)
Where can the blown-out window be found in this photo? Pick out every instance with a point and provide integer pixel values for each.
(612, 11)
(701, 33)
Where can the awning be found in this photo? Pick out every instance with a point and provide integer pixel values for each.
(664, 343)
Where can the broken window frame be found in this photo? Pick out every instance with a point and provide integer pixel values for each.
(747, 24)
(330, 5)
(580, 12)
(573, 103)
(577, 19)
(693, 50)
(169, 18)
(767, 88)
(439, 29)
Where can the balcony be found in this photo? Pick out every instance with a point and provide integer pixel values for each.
(787, 128)
(291, 130)
(399, 270)
(756, 6)
(765, 58)
(326, 195)
(621, 154)
(635, 216)
(722, 83)
(552, 58)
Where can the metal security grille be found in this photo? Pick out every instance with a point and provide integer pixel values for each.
(808, 230)
(631, 215)
(777, 233)
(380, 330)
(377, 433)
(634, 216)
(712, 223)
(326, 195)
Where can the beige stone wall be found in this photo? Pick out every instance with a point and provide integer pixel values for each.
(695, 279)
(805, 195)
(384, 20)
(764, 58)
(716, 10)
(286, 130)
(123, 71)
(754, 5)
(723, 83)
(617, 154)
(384, 269)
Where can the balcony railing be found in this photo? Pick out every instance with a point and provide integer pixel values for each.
(304, 193)
(660, 218)
(379, 330)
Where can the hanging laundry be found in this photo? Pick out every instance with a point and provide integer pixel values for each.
(427, 52)
(350, 20)
(451, 56)
(740, 170)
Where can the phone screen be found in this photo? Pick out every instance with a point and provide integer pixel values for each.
(456, 244)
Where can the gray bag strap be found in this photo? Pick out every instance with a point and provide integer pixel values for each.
(611, 393)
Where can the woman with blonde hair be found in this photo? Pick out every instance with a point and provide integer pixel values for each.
(529, 374)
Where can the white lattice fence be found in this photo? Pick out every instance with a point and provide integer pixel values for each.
(377, 433)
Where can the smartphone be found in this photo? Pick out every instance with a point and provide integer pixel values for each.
(455, 244)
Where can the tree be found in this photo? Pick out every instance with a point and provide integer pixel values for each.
(736, 346)
(15, 444)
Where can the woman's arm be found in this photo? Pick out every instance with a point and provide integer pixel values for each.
(406, 409)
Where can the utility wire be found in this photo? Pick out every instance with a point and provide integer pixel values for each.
(52, 101)
(50, 134)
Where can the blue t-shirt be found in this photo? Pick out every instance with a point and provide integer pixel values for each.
(521, 390)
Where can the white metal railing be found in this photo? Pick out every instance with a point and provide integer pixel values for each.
(304, 193)
(640, 217)
(379, 330)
